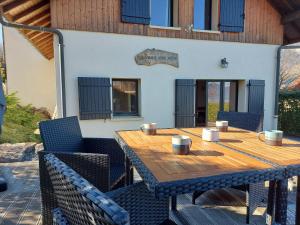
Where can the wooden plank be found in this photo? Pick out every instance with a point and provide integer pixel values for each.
(106, 18)
(31, 10)
(33, 20)
(205, 159)
(12, 5)
(248, 142)
(291, 17)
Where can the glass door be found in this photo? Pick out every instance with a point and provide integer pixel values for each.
(213, 101)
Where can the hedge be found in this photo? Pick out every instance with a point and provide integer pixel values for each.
(289, 112)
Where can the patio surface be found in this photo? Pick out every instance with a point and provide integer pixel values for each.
(21, 203)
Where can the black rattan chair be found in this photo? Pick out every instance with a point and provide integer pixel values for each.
(80, 203)
(255, 193)
(99, 160)
(243, 120)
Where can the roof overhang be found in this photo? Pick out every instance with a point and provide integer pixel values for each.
(290, 12)
(34, 13)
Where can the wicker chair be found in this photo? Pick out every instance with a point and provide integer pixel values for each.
(255, 193)
(243, 120)
(80, 203)
(99, 160)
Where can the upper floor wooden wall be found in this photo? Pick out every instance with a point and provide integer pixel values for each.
(262, 23)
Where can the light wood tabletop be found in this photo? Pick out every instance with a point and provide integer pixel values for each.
(205, 159)
(248, 142)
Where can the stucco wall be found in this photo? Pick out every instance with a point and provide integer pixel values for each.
(112, 55)
(29, 73)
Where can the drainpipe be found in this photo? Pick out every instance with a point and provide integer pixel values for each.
(277, 88)
(60, 47)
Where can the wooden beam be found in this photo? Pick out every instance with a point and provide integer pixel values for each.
(40, 38)
(291, 17)
(33, 20)
(3, 2)
(43, 42)
(12, 5)
(43, 23)
(30, 10)
(34, 34)
(44, 45)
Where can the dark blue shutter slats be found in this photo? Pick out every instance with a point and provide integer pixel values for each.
(94, 98)
(256, 96)
(232, 15)
(185, 103)
(135, 11)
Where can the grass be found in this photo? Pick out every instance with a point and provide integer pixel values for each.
(20, 122)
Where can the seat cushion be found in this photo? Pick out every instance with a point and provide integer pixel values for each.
(117, 172)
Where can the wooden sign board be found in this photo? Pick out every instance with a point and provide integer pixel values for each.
(151, 57)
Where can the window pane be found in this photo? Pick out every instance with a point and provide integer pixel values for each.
(160, 13)
(125, 97)
(199, 14)
(213, 100)
(202, 14)
(230, 96)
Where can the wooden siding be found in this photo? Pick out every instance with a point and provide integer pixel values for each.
(262, 23)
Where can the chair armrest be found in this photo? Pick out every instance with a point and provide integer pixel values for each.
(93, 167)
(141, 204)
(107, 146)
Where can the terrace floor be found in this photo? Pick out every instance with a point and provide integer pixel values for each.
(21, 203)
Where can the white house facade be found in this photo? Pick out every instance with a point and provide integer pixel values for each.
(118, 64)
(102, 55)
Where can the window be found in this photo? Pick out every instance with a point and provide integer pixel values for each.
(206, 14)
(164, 13)
(125, 97)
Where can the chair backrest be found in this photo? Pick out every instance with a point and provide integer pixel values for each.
(61, 135)
(79, 201)
(243, 120)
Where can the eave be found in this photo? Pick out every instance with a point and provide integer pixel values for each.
(35, 13)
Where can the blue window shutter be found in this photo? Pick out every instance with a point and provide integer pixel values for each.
(94, 98)
(185, 103)
(135, 11)
(232, 15)
(256, 96)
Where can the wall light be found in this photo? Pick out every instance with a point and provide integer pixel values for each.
(224, 63)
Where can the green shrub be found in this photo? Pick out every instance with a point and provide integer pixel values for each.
(213, 109)
(289, 112)
(20, 122)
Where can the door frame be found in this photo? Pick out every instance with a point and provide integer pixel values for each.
(221, 100)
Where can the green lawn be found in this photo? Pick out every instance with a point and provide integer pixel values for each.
(20, 122)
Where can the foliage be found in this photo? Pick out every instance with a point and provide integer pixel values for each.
(213, 109)
(289, 68)
(20, 122)
(3, 70)
(289, 112)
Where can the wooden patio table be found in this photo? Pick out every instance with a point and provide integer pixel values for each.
(208, 166)
(286, 156)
